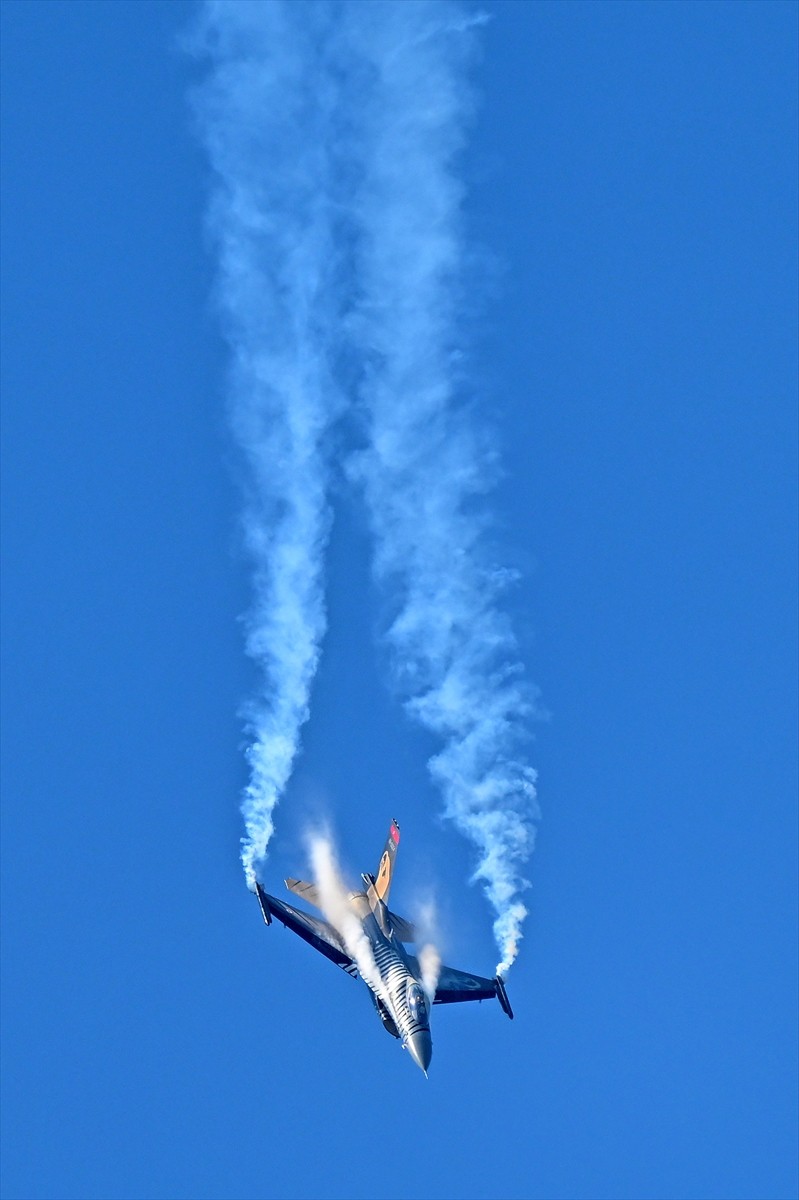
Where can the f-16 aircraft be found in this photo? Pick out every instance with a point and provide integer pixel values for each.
(396, 987)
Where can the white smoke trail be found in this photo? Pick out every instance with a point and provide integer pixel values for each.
(455, 652)
(335, 904)
(428, 938)
(264, 116)
(430, 964)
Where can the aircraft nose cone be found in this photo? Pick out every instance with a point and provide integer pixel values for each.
(421, 1047)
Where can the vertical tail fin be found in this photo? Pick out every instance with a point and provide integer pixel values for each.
(386, 868)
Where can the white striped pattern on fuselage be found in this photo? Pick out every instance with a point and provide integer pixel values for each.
(395, 975)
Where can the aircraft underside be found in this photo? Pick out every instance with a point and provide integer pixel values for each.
(396, 983)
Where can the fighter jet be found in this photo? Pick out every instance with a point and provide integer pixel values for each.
(394, 978)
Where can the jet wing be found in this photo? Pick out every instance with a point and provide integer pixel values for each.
(313, 930)
(454, 987)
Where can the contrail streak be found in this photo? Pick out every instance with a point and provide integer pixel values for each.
(334, 131)
(264, 118)
(455, 652)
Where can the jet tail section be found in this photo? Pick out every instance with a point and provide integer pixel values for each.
(405, 931)
(382, 884)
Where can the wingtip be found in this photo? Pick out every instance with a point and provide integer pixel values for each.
(264, 903)
(502, 996)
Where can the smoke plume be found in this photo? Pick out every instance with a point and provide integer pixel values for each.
(334, 130)
(264, 118)
(335, 905)
(430, 965)
(455, 652)
(425, 919)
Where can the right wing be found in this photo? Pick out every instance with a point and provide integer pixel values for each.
(313, 930)
(454, 987)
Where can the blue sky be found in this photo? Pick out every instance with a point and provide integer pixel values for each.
(632, 186)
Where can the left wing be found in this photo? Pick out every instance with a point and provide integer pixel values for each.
(313, 930)
(382, 884)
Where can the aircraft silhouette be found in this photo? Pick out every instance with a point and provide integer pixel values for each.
(394, 977)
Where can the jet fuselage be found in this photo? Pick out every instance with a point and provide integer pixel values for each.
(397, 990)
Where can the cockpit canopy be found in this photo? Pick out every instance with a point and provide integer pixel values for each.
(417, 1004)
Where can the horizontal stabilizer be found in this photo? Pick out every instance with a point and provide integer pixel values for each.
(405, 931)
(306, 891)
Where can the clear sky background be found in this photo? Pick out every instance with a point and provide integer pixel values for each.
(632, 177)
